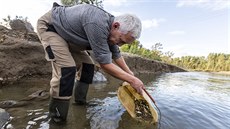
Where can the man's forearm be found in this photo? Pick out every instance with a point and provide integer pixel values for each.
(122, 64)
(117, 72)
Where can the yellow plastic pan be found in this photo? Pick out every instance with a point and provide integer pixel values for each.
(127, 96)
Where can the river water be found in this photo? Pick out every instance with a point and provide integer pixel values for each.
(187, 100)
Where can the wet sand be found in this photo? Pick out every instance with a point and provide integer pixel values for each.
(222, 72)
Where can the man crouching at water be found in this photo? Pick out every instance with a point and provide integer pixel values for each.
(66, 33)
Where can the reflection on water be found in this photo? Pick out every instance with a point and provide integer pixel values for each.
(188, 100)
(105, 115)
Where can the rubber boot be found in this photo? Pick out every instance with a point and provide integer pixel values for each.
(58, 110)
(80, 92)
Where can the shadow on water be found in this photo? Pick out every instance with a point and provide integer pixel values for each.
(186, 100)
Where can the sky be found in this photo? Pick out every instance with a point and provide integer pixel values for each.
(184, 27)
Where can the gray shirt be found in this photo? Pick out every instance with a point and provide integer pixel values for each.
(86, 26)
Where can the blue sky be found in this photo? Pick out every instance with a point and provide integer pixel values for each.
(184, 27)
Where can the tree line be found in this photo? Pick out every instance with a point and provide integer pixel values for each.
(213, 62)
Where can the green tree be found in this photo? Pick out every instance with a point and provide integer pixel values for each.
(167, 57)
(227, 63)
(211, 62)
(202, 64)
(220, 63)
(74, 2)
(156, 52)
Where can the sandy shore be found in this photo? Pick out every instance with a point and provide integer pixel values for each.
(222, 72)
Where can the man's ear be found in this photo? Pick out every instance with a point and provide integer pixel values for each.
(116, 25)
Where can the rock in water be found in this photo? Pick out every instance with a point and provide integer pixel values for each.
(98, 77)
(142, 110)
(12, 103)
(4, 117)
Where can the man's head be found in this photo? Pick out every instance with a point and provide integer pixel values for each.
(125, 29)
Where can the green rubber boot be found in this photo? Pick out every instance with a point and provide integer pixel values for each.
(58, 110)
(80, 92)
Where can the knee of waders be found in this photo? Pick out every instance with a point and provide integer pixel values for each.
(67, 81)
(87, 73)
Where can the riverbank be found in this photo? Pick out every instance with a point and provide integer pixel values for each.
(222, 72)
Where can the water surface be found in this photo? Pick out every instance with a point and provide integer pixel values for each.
(187, 100)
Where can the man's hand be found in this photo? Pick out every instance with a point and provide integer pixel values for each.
(138, 85)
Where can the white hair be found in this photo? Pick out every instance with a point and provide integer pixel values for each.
(129, 23)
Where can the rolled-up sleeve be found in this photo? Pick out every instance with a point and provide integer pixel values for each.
(115, 51)
(98, 42)
(103, 58)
